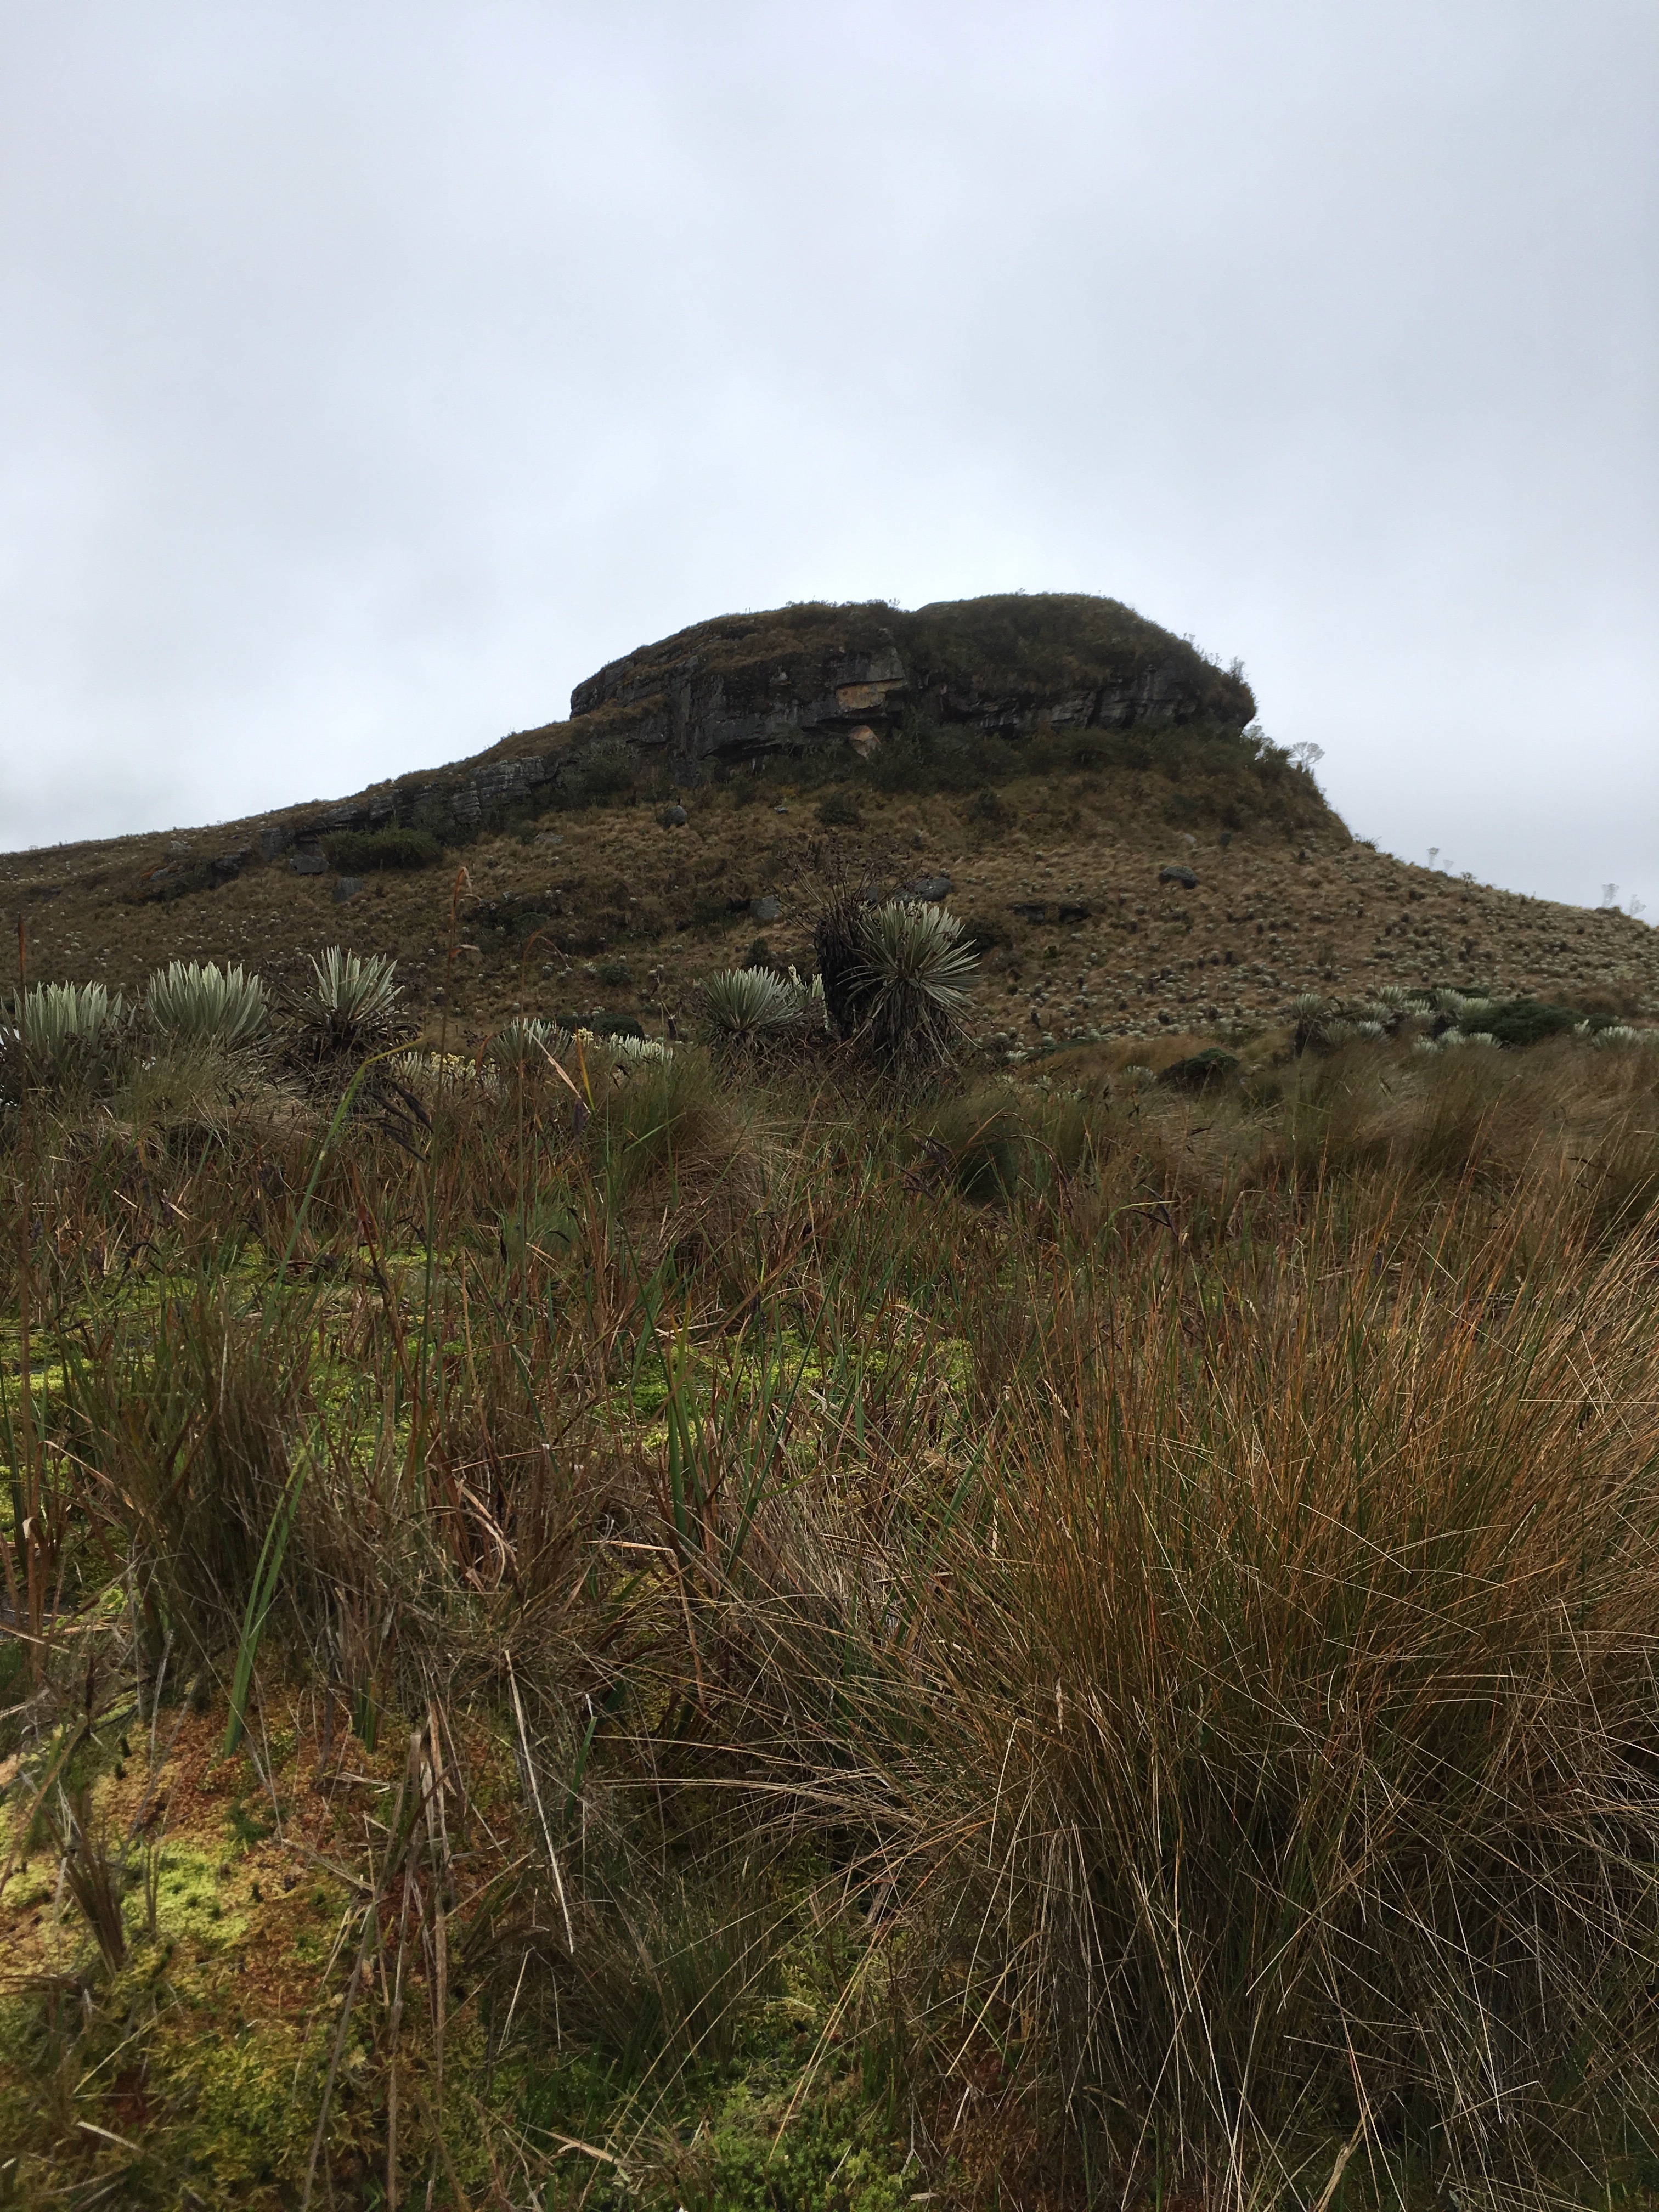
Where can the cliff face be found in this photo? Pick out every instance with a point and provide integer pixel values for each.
(796, 680)
(805, 676)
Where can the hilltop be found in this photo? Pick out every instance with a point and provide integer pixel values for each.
(1049, 756)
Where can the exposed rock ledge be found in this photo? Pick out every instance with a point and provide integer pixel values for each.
(801, 677)
(730, 690)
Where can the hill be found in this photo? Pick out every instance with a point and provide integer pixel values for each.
(1049, 756)
(609, 1625)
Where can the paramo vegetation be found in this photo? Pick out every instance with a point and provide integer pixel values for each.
(990, 1543)
(802, 1615)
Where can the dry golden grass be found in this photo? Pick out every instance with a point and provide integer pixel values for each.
(1097, 1640)
(1268, 919)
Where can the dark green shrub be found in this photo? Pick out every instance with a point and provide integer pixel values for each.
(606, 777)
(990, 1151)
(985, 932)
(1522, 1022)
(839, 810)
(1201, 1070)
(985, 810)
(359, 852)
(995, 1144)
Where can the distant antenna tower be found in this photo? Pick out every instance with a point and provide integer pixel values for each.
(1434, 854)
(1635, 909)
(1609, 895)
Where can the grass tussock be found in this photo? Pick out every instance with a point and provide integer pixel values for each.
(1251, 1752)
(668, 1631)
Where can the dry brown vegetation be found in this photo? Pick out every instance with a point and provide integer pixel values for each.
(790, 1631)
(610, 909)
(735, 1642)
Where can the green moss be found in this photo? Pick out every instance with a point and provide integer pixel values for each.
(773, 2139)
(245, 2126)
(188, 1903)
(822, 2158)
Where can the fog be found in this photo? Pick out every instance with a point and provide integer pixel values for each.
(369, 375)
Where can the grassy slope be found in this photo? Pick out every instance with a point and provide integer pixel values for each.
(1265, 922)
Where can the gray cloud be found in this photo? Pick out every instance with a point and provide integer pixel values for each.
(369, 375)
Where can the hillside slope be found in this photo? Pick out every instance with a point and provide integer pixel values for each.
(566, 891)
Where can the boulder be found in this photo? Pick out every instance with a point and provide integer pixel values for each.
(1175, 874)
(309, 861)
(346, 887)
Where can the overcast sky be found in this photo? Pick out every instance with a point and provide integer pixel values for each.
(369, 373)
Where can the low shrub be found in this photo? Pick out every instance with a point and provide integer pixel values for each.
(986, 811)
(1201, 1070)
(671, 1118)
(1522, 1022)
(362, 852)
(603, 776)
(984, 933)
(994, 1144)
(606, 777)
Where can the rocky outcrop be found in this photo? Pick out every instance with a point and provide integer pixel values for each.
(463, 798)
(805, 676)
(738, 689)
